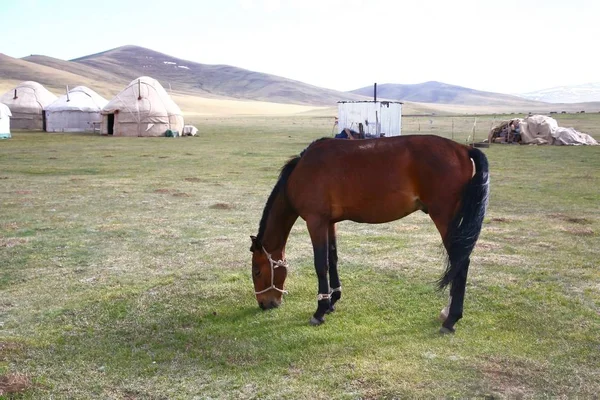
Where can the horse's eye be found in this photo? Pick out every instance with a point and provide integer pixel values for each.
(256, 271)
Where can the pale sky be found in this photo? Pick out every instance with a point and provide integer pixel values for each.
(506, 46)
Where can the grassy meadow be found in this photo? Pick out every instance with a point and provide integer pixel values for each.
(125, 274)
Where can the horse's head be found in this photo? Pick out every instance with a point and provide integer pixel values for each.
(268, 276)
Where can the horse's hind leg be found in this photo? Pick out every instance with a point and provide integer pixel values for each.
(334, 279)
(318, 231)
(459, 261)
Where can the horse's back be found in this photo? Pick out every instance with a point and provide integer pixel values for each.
(377, 180)
(399, 155)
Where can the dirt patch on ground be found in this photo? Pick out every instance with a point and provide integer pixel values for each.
(8, 348)
(14, 383)
(579, 231)
(193, 179)
(13, 226)
(485, 245)
(509, 378)
(573, 220)
(12, 242)
(162, 191)
(407, 228)
(500, 220)
(181, 194)
(108, 156)
(23, 192)
(221, 206)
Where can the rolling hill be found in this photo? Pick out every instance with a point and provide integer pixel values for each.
(203, 89)
(55, 78)
(190, 77)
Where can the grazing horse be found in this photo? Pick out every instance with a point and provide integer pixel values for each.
(372, 181)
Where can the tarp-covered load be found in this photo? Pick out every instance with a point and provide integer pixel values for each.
(76, 111)
(5, 115)
(143, 108)
(538, 129)
(27, 102)
(189, 130)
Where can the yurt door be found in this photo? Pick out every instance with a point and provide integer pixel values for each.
(111, 124)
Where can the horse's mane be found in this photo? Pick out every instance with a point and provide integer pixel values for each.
(285, 173)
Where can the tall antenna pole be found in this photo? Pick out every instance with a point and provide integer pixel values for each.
(139, 89)
(68, 99)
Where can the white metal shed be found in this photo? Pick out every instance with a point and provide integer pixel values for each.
(378, 118)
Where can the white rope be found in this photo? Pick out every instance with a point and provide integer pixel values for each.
(273, 264)
(327, 296)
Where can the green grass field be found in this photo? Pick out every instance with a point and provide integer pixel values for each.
(125, 274)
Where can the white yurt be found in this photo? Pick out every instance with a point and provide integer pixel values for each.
(27, 102)
(143, 108)
(76, 111)
(4, 121)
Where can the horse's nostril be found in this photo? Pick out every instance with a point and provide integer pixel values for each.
(261, 305)
(274, 304)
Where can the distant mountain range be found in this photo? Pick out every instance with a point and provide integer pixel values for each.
(109, 71)
(441, 93)
(566, 94)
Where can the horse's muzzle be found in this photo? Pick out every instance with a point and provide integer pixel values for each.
(267, 305)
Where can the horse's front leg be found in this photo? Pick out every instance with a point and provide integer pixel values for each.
(319, 237)
(334, 279)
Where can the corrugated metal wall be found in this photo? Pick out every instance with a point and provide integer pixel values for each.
(378, 117)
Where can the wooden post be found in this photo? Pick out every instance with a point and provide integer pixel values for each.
(68, 99)
(15, 94)
(139, 89)
(473, 135)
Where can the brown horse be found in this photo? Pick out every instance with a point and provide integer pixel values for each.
(372, 181)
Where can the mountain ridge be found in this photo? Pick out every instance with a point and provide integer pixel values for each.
(587, 92)
(200, 88)
(442, 93)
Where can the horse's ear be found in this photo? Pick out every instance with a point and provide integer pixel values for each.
(255, 244)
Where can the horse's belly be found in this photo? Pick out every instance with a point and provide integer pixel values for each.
(376, 211)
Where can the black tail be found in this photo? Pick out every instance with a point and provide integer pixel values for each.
(464, 230)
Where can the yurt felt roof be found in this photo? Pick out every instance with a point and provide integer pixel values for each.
(145, 97)
(4, 111)
(80, 98)
(31, 98)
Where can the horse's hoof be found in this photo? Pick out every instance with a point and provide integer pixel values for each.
(330, 310)
(444, 330)
(316, 321)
